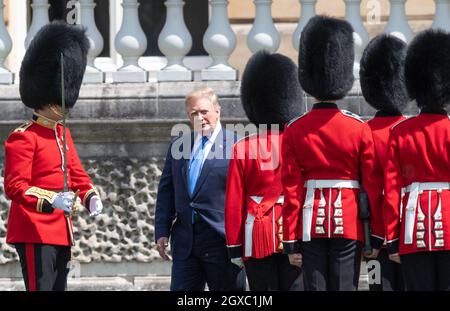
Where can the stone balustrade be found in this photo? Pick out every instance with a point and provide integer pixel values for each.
(175, 40)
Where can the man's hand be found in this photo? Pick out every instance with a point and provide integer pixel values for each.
(161, 245)
(395, 257)
(95, 206)
(238, 262)
(296, 259)
(64, 201)
(374, 254)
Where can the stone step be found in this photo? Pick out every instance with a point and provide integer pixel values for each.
(147, 283)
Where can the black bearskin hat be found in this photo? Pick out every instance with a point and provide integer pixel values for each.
(427, 69)
(326, 57)
(270, 91)
(381, 74)
(40, 73)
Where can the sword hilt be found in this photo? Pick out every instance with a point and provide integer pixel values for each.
(74, 209)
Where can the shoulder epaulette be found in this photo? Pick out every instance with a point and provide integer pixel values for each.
(352, 115)
(400, 122)
(297, 118)
(22, 128)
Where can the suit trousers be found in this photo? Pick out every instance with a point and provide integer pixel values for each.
(208, 264)
(426, 271)
(331, 264)
(273, 273)
(44, 266)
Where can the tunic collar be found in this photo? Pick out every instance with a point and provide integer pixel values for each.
(44, 121)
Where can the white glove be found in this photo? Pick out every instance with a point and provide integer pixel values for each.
(95, 205)
(238, 262)
(64, 201)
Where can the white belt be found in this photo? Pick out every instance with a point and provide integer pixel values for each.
(249, 225)
(249, 235)
(258, 199)
(313, 184)
(411, 206)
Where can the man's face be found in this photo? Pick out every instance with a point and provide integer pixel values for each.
(203, 115)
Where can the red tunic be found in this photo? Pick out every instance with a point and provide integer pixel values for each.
(418, 152)
(381, 127)
(33, 175)
(251, 174)
(327, 144)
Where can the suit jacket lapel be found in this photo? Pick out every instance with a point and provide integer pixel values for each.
(185, 167)
(185, 173)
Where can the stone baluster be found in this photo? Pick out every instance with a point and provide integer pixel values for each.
(175, 42)
(442, 15)
(130, 43)
(308, 10)
(40, 18)
(92, 74)
(263, 35)
(361, 36)
(219, 41)
(398, 24)
(6, 76)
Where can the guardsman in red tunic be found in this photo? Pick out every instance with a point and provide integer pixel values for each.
(39, 222)
(383, 87)
(271, 96)
(328, 154)
(417, 171)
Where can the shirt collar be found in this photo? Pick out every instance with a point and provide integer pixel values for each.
(211, 136)
(44, 121)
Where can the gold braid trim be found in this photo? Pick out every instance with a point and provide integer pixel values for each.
(92, 190)
(23, 127)
(42, 195)
(39, 205)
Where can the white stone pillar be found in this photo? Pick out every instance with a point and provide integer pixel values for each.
(308, 10)
(18, 27)
(442, 15)
(219, 41)
(263, 35)
(398, 24)
(6, 76)
(40, 18)
(360, 35)
(175, 42)
(92, 74)
(130, 43)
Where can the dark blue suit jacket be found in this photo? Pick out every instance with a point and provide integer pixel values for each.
(173, 216)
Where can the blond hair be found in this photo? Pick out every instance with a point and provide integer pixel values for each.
(205, 92)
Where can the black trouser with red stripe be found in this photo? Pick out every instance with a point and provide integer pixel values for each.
(44, 267)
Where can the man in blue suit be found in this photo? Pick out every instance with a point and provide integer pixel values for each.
(191, 199)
